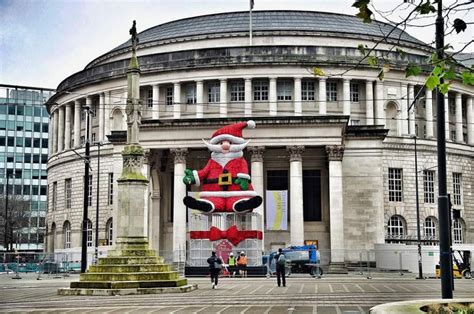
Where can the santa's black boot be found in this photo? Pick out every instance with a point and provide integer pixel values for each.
(193, 203)
(248, 205)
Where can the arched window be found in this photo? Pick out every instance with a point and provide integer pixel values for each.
(431, 229)
(109, 231)
(89, 232)
(53, 236)
(458, 231)
(396, 228)
(117, 116)
(67, 234)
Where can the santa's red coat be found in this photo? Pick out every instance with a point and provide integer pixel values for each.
(237, 167)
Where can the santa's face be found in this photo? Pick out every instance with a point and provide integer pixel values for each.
(225, 146)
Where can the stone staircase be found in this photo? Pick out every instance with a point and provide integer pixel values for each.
(129, 269)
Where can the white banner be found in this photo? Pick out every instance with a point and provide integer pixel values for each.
(277, 210)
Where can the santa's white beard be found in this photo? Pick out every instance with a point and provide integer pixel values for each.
(236, 151)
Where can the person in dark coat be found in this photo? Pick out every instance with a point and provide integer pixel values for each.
(280, 267)
(215, 266)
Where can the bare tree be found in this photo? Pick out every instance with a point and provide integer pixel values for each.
(18, 214)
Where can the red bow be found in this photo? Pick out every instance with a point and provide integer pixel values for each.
(232, 234)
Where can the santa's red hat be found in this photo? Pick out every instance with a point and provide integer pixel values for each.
(232, 133)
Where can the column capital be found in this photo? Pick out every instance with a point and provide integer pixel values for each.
(256, 153)
(176, 83)
(223, 79)
(248, 79)
(335, 152)
(179, 155)
(322, 78)
(298, 77)
(295, 152)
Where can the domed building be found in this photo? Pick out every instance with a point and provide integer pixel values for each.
(339, 146)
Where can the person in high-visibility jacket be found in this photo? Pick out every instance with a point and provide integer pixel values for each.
(242, 264)
(231, 261)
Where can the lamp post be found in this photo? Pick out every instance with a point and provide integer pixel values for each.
(418, 231)
(5, 236)
(86, 193)
(99, 144)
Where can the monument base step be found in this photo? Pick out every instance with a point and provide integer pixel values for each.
(338, 268)
(113, 292)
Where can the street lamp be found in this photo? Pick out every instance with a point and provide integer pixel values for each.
(86, 192)
(99, 144)
(5, 242)
(418, 232)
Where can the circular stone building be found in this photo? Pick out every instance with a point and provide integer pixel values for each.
(342, 145)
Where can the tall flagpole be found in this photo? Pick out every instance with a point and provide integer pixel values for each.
(250, 26)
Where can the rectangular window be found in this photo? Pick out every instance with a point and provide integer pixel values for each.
(55, 196)
(67, 240)
(89, 199)
(312, 195)
(93, 137)
(94, 110)
(83, 140)
(214, 92)
(190, 94)
(307, 90)
(428, 185)
(89, 233)
(457, 188)
(149, 99)
(354, 92)
(260, 90)
(277, 180)
(331, 91)
(83, 115)
(284, 90)
(111, 188)
(237, 91)
(395, 184)
(169, 96)
(68, 192)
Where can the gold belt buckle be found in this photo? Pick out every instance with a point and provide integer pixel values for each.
(225, 179)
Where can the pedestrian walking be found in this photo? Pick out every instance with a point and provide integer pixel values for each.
(280, 260)
(215, 266)
(242, 264)
(232, 262)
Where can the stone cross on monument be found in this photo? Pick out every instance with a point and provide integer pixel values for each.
(131, 267)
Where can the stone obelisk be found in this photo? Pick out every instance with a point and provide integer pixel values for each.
(131, 267)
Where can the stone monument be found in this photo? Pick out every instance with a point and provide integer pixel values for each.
(130, 267)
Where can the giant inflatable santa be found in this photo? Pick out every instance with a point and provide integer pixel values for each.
(225, 180)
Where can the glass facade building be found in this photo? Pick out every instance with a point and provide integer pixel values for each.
(24, 124)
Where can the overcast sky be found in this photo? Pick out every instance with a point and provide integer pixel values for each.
(44, 41)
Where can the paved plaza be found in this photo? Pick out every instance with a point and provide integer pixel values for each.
(353, 293)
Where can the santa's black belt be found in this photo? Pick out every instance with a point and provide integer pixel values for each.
(214, 181)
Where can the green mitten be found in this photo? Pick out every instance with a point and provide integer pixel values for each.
(188, 177)
(244, 183)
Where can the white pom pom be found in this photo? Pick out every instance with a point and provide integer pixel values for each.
(251, 124)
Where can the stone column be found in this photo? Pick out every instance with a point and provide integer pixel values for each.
(336, 210)
(322, 95)
(297, 89)
(248, 97)
(177, 101)
(55, 130)
(108, 108)
(379, 101)
(77, 123)
(179, 212)
(273, 96)
(459, 137)
(405, 104)
(412, 117)
(199, 99)
(296, 195)
(346, 94)
(50, 134)
(257, 183)
(369, 103)
(100, 116)
(429, 113)
(155, 114)
(61, 129)
(470, 121)
(67, 129)
(446, 118)
(223, 97)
